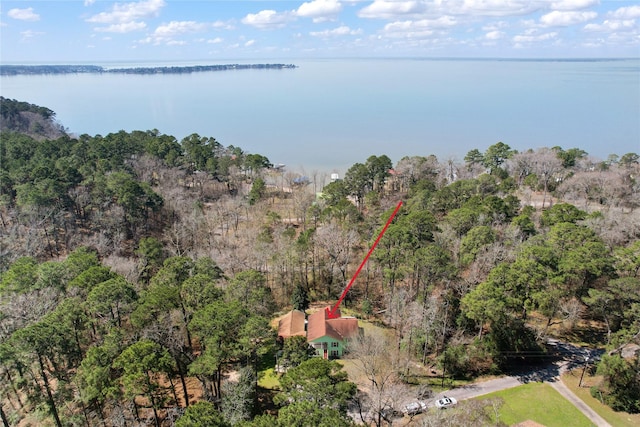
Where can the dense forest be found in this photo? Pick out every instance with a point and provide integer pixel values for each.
(35, 121)
(139, 276)
(16, 70)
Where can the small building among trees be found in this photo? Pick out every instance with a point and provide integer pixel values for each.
(292, 324)
(327, 336)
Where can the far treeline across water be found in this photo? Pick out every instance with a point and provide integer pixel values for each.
(141, 278)
(15, 70)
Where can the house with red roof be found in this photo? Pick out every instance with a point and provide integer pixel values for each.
(292, 324)
(329, 337)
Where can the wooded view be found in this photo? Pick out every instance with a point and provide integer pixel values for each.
(141, 277)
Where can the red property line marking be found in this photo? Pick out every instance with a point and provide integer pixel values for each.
(333, 313)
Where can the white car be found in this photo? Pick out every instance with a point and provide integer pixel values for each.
(415, 408)
(446, 402)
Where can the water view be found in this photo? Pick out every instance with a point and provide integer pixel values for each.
(329, 113)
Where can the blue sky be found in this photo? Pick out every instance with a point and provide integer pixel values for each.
(49, 31)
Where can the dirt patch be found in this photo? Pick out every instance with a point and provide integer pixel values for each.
(194, 390)
(233, 376)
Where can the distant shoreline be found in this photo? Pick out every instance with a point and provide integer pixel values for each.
(17, 70)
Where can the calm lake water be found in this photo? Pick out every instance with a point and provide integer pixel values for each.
(328, 114)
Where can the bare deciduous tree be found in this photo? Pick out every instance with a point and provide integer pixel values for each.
(412, 169)
(571, 310)
(373, 357)
(546, 165)
(484, 412)
(521, 165)
(337, 244)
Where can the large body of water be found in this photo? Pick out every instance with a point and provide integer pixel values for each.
(328, 114)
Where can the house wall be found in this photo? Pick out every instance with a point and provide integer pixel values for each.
(334, 347)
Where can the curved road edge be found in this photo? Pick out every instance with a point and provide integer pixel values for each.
(479, 389)
(596, 419)
(571, 357)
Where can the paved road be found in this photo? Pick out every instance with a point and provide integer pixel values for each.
(570, 357)
(596, 419)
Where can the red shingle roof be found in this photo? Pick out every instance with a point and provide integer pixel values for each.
(320, 325)
(292, 324)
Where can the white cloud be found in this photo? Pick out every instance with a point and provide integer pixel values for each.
(612, 25)
(564, 19)
(532, 38)
(128, 12)
(442, 22)
(215, 41)
(499, 7)
(494, 35)
(89, 2)
(176, 28)
(419, 29)
(391, 10)
(385, 9)
(622, 20)
(29, 34)
(125, 27)
(630, 12)
(166, 33)
(320, 10)
(23, 14)
(495, 26)
(222, 25)
(343, 30)
(249, 43)
(529, 23)
(266, 19)
(572, 4)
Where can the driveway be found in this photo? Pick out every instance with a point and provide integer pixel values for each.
(570, 357)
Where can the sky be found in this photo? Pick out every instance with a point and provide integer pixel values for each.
(67, 31)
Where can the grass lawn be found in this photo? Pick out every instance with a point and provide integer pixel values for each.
(621, 419)
(267, 376)
(538, 402)
(268, 379)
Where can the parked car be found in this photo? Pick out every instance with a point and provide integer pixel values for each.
(389, 414)
(424, 392)
(415, 408)
(446, 402)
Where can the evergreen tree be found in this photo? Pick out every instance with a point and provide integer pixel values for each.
(300, 298)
